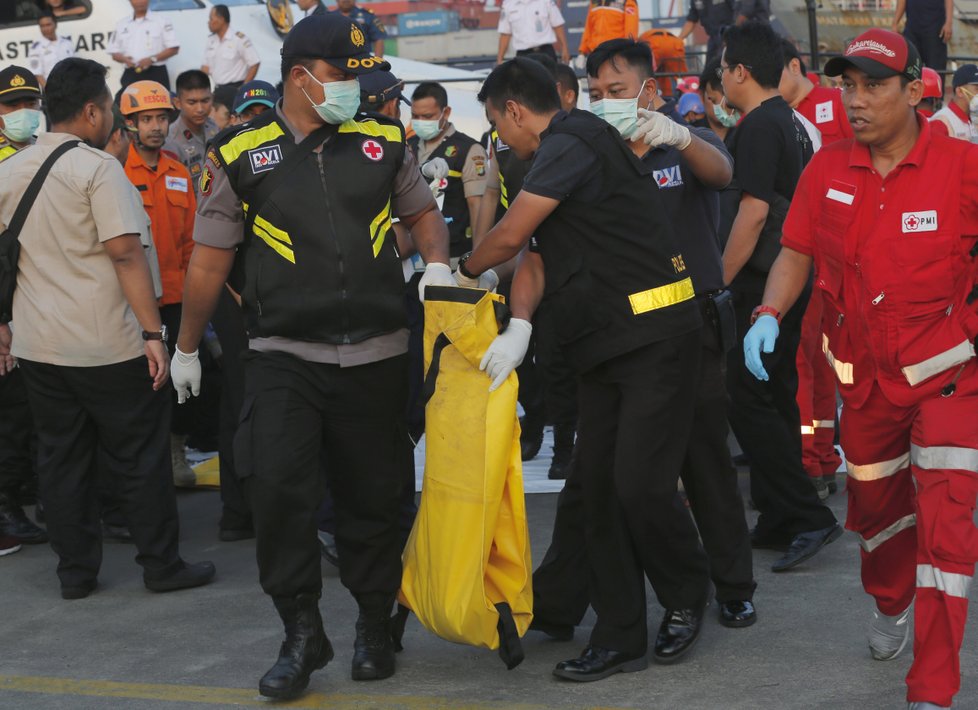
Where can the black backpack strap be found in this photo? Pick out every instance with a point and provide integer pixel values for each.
(34, 189)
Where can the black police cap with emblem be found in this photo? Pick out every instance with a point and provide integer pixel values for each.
(336, 40)
(380, 87)
(18, 83)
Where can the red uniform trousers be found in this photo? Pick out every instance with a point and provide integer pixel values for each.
(816, 396)
(918, 540)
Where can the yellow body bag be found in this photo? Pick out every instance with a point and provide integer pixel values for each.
(467, 570)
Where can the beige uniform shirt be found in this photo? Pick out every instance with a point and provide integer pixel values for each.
(69, 308)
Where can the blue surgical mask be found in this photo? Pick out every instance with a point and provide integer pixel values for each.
(341, 100)
(728, 120)
(620, 113)
(20, 125)
(426, 130)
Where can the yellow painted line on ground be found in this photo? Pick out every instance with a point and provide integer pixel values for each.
(242, 698)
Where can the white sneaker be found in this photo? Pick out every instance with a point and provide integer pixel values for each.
(888, 635)
(926, 706)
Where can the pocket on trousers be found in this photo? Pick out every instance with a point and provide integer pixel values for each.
(243, 440)
(954, 536)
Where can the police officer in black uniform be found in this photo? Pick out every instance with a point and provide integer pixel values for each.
(322, 295)
(604, 255)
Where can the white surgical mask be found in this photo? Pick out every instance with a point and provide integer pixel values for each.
(20, 125)
(972, 104)
(426, 130)
(341, 100)
(727, 120)
(620, 113)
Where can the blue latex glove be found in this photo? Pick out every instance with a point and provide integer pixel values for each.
(760, 338)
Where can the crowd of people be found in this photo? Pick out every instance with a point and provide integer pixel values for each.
(736, 258)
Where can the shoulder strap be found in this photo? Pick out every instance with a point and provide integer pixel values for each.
(34, 189)
(278, 175)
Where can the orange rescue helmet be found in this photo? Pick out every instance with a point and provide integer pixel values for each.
(933, 88)
(144, 96)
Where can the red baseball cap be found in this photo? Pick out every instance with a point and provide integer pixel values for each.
(881, 54)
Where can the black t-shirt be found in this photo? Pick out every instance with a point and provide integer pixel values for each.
(564, 166)
(925, 14)
(693, 209)
(712, 14)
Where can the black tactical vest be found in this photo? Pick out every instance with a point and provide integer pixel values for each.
(320, 264)
(614, 277)
(512, 170)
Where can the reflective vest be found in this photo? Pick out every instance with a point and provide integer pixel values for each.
(6, 148)
(957, 127)
(320, 263)
(512, 170)
(615, 280)
(454, 149)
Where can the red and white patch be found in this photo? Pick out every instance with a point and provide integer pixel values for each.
(373, 150)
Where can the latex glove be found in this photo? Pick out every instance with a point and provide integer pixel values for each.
(488, 280)
(760, 338)
(185, 373)
(580, 62)
(435, 274)
(506, 352)
(657, 129)
(435, 169)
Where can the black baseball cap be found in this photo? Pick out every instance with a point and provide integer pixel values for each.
(380, 87)
(18, 83)
(255, 92)
(880, 54)
(335, 39)
(966, 74)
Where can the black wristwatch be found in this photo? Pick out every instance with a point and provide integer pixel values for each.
(461, 267)
(162, 334)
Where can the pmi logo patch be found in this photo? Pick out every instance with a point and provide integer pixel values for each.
(264, 159)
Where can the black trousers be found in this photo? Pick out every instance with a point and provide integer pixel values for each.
(198, 417)
(79, 410)
(560, 590)
(154, 73)
(557, 378)
(764, 417)
(547, 49)
(299, 417)
(16, 434)
(927, 40)
(636, 411)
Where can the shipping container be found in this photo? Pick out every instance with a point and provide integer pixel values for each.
(427, 23)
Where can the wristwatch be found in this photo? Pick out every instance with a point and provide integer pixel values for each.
(162, 334)
(154, 60)
(764, 310)
(461, 267)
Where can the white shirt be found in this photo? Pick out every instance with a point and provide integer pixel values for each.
(228, 59)
(956, 126)
(45, 53)
(145, 37)
(814, 135)
(530, 22)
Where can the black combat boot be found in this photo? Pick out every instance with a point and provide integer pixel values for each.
(15, 523)
(563, 448)
(305, 649)
(373, 651)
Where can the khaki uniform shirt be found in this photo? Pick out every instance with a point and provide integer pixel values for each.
(69, 308)
(190, 148)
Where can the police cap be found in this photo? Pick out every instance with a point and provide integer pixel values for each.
(380, 87)
(966, 74)
(335, 39)
(17, 83)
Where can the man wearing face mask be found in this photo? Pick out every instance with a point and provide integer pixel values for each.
(20, 109)
(957, 119)
(322, 294)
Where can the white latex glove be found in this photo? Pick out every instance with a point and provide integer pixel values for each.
(580, 62)
(435, 169)
(506, 352)
(488, 280)
(185, 374)
(657, 129)
(435, 274)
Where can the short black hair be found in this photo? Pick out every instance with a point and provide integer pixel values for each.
(758, 47)
(635, 54)
(192, 80)
(73, 83)
(548, 62)
(709, 76)
(524, 81)
(568, 79)
(47, 16)
(289, 61)
(431, 90)
(224, 96)
(790, 51)
(223, 12)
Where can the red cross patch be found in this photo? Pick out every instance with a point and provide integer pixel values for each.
(911, 222)
(373, 150)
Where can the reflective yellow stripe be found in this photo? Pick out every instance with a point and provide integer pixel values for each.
(455, 173)
(942, 458)
(962, 352)
(272, 236)
(503, 193)
(881, 469)
(379, 228)
(662, 296)
(952, 584)
(372, 128)
(6, 151)
(887, 533)
(843, 370)
(824, 424)
(247, 140)
(280, 248)
(807, 430)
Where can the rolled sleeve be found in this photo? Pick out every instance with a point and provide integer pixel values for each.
(115, 210)
(411, 195)
(474, 172)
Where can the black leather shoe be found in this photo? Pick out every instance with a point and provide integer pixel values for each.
(737, 614)
(15, 523)
(558, 632)
(677, 633)
(769, 541)
(185, 576)
(373, 650)
(530, 443)
(597, 663)
(805, 546)
(235, 534)
(116, 533)
(78, 591)
(306, 648)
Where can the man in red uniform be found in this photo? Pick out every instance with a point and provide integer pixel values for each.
(891, 221)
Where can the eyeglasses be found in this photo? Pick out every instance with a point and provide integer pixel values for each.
(722, 68)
